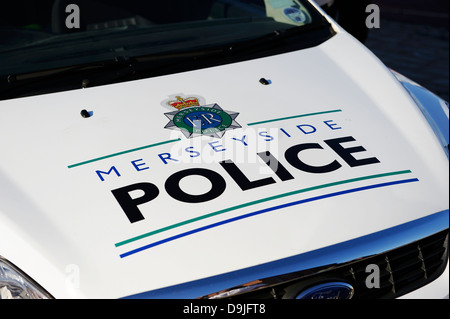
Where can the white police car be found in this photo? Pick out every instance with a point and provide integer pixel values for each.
(214, 149)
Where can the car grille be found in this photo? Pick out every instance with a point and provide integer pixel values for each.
(401, 270)
(404, 269)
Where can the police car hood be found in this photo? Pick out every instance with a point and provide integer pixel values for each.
(136, 197)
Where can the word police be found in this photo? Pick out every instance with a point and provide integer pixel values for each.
(292, 155)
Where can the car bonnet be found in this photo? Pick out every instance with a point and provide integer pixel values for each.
(181, 177)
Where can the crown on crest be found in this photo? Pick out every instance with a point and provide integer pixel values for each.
(181, 103)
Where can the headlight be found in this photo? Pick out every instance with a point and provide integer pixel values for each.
(14, 284)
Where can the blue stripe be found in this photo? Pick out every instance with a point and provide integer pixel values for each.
(321, 258)
(262, 211)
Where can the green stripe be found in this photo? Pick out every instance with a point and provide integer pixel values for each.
(293, 117)
(124, 152)
(258, 202)
(176, 140)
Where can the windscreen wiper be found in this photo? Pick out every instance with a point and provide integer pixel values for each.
(122, 68)
(97, 73)
(276, 37)
(120, 64)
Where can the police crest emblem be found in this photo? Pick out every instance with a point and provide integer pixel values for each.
(193, 118)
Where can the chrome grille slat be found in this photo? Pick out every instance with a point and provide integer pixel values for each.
(345, 261)
(401, 270)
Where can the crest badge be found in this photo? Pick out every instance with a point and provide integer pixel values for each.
(193, 118)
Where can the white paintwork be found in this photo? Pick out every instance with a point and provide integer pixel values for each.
(59, 225)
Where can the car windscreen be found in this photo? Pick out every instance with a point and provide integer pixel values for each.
(69, 39)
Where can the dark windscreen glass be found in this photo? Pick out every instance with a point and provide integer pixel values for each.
(55, 34)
